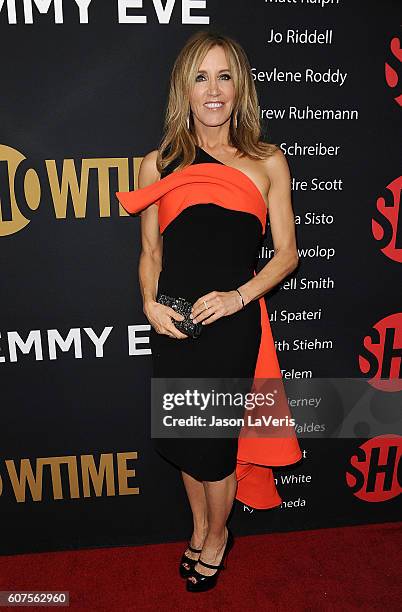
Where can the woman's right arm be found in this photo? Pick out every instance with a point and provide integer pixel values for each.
(150, 263)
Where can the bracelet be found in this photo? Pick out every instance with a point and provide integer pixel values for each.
(242, 301)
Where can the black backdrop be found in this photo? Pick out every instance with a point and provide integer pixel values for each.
(81, 102)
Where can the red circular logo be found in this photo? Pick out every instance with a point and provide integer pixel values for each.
(381, 355)
(375, 472)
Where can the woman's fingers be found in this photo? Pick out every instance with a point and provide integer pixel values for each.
(177, 334)
(206, 315)
(213, 316)
(219, 304)
(170, 326)
(164, 324)
(199, 305)
(174, 332)
(170, 330)
(174, 314)
(200, 312)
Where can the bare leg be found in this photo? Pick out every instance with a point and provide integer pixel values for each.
(219, 495)
(196, 496)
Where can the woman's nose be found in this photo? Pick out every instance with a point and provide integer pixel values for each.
(213, 88)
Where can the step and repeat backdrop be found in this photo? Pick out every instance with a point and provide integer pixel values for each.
(84, 87)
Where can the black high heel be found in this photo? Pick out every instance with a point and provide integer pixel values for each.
(184, 572)
(204, 583)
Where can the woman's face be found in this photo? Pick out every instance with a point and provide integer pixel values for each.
(212, 96)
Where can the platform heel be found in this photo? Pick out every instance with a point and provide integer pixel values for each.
(184, 572)
(205, 583)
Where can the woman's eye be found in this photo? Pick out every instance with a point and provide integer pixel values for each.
(226, 77)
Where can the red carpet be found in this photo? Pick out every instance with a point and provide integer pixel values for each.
(349, 568)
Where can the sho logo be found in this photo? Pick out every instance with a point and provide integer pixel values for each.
(391, 74)
(386, 224)
(381, 355)
(375, 472)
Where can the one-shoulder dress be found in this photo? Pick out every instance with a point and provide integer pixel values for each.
(213, 218)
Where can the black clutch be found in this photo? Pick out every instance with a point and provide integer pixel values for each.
(183, 307)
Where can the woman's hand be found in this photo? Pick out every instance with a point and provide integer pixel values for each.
(219, 304)
(159, 317)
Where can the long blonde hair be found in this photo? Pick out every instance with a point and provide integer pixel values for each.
(245, 134)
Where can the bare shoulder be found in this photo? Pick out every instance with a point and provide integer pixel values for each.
(148, 172)
(276, 166)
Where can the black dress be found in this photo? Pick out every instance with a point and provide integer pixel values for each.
(208, 247)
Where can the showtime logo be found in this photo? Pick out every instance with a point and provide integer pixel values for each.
(386, 225)
(375, 472)
(381, 355)
(68, 477)
(65, 191)
(391, 74)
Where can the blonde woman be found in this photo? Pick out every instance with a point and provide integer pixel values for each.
(203, 198)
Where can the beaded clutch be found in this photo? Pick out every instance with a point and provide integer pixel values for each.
(183, 307)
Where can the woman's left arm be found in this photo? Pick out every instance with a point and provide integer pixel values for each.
(283, 231)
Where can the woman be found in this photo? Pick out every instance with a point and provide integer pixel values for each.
(203, 198)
